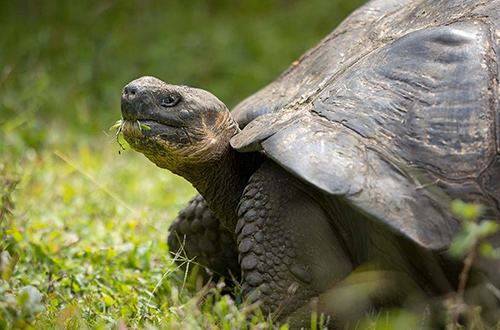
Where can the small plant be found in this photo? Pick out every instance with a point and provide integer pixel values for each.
(8, 184)
(119, 124)
(18, 309)
(470, 243)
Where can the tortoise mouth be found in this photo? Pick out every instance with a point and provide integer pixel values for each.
(152, 136)
(146, 128)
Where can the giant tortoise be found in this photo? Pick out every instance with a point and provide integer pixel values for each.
(348, 161)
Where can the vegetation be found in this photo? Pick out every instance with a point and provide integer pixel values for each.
(83, 229)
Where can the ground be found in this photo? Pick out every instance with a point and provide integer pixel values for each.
(84, 227)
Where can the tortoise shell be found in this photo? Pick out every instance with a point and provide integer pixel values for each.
(396, 111)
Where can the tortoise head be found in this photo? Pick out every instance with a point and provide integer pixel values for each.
(176, 127)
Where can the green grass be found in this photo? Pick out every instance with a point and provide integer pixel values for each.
(83, 229)
(98, 258)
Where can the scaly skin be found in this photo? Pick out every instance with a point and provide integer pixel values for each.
(202, 237)
(289, 251)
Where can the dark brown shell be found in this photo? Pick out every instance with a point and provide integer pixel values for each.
(396, 111)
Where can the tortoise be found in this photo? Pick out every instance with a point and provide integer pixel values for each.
(347, 162)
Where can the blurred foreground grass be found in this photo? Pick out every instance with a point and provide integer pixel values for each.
(89, 226)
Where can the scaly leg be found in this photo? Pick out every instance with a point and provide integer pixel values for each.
(205, 239)
(289, 249)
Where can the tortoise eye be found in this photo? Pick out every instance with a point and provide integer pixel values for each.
(170, 100)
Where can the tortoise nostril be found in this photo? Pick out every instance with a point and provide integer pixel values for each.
(130, 92)
(131, 100)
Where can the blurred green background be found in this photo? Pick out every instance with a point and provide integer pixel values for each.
(63, 63)
(82, 224)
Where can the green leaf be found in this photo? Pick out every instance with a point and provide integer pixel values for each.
(461, 243)
(487, 228)
(466, 211)
(110, 254)
(108, 300)
(117, 124)
(486, 249)
(23, 298)
(6, 264)
(33, 295)
(142, 126)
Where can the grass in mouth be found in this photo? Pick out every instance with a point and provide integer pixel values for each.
(119, 126)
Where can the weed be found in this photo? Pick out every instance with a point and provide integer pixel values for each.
(469, 244)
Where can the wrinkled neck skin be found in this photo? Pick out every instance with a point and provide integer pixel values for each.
(222, 183)
(213, 167)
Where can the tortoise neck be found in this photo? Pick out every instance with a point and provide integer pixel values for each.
(222, 183)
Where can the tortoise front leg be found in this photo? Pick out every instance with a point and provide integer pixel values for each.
(289, 250)
(205, 239)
